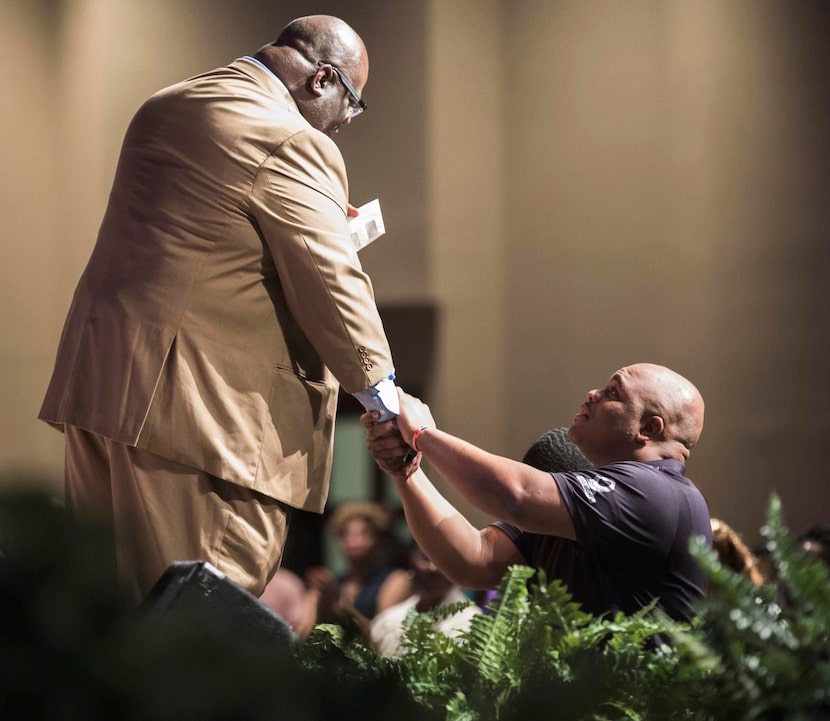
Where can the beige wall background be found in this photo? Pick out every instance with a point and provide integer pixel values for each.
(576, 185)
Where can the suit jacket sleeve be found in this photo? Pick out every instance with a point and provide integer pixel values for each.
(299, 202)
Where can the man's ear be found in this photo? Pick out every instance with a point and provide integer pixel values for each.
(317, 83)
(651, 428)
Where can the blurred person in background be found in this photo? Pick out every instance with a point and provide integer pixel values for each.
(286, 594)
(816, 541)
(734, 553)
(431, 589)
(375, 577)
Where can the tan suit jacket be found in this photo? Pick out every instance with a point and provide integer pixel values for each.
(223, 300)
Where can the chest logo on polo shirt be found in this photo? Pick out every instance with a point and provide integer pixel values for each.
(592, 486)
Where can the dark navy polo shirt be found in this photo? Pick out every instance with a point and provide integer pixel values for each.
(633, 523)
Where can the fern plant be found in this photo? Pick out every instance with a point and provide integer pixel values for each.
(578, 666)
(468, 676)
(752, 653)
(536, 654)
(771, 645)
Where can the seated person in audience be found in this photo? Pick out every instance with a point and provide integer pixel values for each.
(734, 553)
(766, 563)
(816, 541)
(431, 589)
(372, 581)
(286, 595)
(630, 518)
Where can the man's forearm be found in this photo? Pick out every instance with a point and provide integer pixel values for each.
(445, 535)
(489, 482)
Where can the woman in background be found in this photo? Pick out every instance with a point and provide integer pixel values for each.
(374, 579)
(734, 553)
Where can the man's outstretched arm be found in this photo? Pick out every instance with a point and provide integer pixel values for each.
(503, 488)
(468, 556)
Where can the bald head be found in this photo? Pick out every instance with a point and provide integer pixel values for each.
(673, 398)
(323, 37)
(311, 57)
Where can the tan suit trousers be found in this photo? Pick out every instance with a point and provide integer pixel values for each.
(161, 512)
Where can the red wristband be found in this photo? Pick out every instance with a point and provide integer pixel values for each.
(417, 435)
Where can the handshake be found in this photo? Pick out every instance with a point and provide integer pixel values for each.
(394, 443)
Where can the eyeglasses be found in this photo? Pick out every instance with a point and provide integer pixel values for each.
(356, 105)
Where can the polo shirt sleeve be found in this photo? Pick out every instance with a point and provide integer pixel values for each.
(523, 541)
(622, 508)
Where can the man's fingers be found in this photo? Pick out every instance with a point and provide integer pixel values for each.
(382, 431)
(390, 453)
(384, 440)
(398, 467)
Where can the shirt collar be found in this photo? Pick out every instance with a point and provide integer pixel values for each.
(277, 85)
(668, 465)
(261, 64)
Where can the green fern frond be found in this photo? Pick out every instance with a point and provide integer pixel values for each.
(804, 578)
(429, 664)
(446, 610)
(491, 639)
(556, 603)
(323, 639)
(626, 713)
(458, 708)
(747, 613)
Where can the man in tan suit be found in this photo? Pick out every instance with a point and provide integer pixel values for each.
(197, 374)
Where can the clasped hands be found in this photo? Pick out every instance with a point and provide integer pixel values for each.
(390, 442)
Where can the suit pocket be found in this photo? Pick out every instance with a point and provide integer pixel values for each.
(302, 412)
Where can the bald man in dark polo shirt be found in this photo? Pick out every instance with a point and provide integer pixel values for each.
(617, 534)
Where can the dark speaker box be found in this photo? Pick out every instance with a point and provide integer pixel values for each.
(195, 591)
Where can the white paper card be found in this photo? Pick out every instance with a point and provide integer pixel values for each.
(368, 225)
